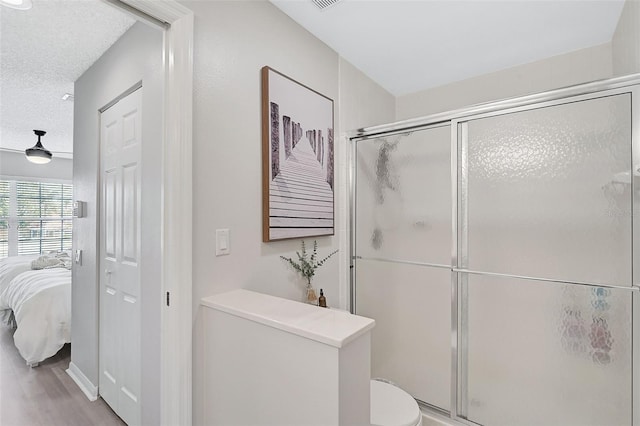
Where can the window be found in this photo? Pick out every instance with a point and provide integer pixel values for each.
(35, 217)
(4, 216)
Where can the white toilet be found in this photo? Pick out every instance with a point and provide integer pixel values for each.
(391, 406)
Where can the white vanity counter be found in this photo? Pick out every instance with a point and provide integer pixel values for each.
(329, 326)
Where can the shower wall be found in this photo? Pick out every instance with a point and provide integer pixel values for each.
(494, 250)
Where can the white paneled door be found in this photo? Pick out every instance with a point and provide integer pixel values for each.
(121, 138)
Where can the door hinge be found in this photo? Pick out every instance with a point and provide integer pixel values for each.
(168, 302)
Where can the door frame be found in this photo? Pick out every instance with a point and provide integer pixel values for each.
(176, 216)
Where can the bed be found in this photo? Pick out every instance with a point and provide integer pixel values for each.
(40, 304)
(10, 268)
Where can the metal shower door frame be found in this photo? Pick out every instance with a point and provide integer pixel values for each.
(461, 271)
(458, 120)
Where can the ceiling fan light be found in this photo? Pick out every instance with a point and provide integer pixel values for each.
(17, 4)
(38, 154)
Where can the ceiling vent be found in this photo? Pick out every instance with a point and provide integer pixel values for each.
(323, 4)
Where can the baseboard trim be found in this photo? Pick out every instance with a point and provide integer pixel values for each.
(83, 382)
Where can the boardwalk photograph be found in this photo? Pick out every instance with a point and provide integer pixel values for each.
(297, 150)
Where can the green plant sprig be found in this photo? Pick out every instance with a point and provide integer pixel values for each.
(307, 265)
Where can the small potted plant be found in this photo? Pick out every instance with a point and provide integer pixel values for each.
(306, 265)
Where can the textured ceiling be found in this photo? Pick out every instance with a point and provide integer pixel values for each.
(407, 46)
(42, 52)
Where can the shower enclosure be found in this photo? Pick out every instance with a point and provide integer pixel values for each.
(495, 248)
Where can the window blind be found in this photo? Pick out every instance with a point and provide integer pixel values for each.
(40, 212)
(4, 219)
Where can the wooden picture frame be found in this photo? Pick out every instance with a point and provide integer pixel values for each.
(297, 160)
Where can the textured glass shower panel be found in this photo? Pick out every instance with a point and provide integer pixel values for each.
(411, 342)
(550, 194)
(541, 353)
(403, 197)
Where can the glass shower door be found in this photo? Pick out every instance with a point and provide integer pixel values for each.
(403, 250)
(545, 265)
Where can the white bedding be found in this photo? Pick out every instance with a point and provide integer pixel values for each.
(11, 267)
(41, 303)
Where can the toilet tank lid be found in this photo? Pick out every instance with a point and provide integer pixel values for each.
(390, 405)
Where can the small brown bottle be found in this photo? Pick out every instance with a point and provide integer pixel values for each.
(322, 301)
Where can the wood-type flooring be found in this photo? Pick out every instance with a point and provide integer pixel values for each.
(44, 395)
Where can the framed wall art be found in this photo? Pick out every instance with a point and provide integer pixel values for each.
(297, 159)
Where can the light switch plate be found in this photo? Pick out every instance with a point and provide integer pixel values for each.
(78, 257)
(222, 242)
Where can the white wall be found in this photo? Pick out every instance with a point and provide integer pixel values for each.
(233, 41)
(626, 40)
(581, 66)
(619, 57)
(16, 165)
(136, 56)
